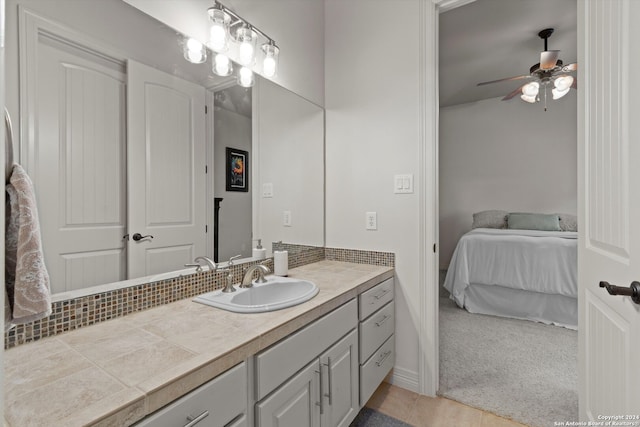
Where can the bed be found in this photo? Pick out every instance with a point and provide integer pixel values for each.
(522, 274)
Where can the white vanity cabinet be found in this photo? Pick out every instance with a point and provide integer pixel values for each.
(323, 390)
(220, 402)
(376, 332)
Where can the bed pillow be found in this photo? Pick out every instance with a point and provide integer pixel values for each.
(490, 219)
(568, 222)
(533, 221)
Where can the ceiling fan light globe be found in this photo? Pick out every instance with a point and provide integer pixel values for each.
(529, 99)
(531, 89)
(563, 83)
(557, 93)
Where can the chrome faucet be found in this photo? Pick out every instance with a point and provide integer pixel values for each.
(212, 265)
(248, 275)
(229, 286)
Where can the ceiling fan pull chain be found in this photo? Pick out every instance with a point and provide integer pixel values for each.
(545, 97)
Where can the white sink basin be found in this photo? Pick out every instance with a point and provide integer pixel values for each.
(277, 293)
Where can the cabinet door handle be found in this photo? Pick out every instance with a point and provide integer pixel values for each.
(381, 321)
(380, 295)
(328, 365)
(195, 420)
(321, 403)
(383, 358)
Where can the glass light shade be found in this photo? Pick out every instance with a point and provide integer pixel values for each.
(219, 31)
(557, 93)
(531, 90)
(245, 77)
(563, 83)
(527, 98)
(194, 51)
(222, 65)
(270, 62)
(247, 48)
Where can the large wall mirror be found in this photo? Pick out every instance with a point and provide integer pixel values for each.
(114, 134)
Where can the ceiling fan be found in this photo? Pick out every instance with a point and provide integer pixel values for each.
(550, 71)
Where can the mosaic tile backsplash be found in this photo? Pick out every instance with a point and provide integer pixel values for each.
(84, 311)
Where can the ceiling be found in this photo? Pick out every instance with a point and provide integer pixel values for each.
(492, 39)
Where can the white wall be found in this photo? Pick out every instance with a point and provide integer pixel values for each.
(234, 231)
(373, 132)
(289, 154)
(506, 155)
(297, 26)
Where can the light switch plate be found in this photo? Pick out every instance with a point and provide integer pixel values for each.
(286, 218)
(403, 184)
(267, 190)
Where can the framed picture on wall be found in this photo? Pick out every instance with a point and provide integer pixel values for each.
(237, 170)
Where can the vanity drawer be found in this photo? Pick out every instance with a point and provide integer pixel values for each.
(377, 367)
(375, 330)
(279, 362)
(374, 298)
(222, 399)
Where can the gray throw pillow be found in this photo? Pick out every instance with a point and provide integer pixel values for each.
(533, 221)
(490, 219)
(568, 222)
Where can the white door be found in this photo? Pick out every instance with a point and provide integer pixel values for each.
(166, 170)
(78, 171)
(609, 207)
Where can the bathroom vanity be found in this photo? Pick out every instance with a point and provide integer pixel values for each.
(189, 364)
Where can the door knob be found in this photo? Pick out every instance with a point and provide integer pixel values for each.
(137, 237)
(632, 291)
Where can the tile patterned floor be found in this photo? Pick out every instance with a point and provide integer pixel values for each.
(424, 411)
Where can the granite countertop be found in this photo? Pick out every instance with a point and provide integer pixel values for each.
(117, 372)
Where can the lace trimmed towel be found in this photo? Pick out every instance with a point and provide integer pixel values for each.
(27, 294)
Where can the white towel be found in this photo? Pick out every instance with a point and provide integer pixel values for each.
(27, 294)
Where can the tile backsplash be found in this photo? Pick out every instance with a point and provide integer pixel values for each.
(84, 311)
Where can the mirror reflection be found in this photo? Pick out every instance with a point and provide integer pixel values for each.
(115, 136)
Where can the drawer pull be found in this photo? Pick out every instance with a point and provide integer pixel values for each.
(321, 403)
(328, 365)
(196, 420)
(380, 295)
(381, 321)
(383, 358)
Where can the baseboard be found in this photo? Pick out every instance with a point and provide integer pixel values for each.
(404, 378)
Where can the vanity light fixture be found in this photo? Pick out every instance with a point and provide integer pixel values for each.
(222, 65)
(229, 32)
(219, 31)
(245, 77)
(194, 51)
(246, 39)
(270, 63)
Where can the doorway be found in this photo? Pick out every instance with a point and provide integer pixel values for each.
(489, 157)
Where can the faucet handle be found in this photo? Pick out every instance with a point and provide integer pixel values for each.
(233, 258)
(197, 266)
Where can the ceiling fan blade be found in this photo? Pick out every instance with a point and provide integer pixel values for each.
(570, 67)
(512, 94)
(574, 84)
(548, 59)
(506, 79)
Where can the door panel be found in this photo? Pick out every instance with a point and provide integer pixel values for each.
(609, 208)
(79, 170)
(294, 404)
(341, 382)
(166, 171)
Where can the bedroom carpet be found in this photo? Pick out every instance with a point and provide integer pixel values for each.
(517, 369)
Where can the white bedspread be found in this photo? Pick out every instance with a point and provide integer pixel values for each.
(539, 261)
